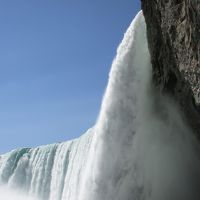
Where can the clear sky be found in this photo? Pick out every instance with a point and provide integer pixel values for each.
(55, 56)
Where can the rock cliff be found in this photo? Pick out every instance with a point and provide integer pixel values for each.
(173, 31)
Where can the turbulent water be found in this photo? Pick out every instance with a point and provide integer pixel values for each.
(139, 149)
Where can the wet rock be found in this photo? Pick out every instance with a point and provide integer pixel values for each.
(173, 31)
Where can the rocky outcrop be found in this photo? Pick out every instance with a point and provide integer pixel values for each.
(173, 31)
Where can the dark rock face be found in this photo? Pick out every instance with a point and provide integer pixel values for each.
(173, 31)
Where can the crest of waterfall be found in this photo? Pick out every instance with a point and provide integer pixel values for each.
(139, 149)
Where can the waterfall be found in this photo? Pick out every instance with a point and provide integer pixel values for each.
(139, 149)
(50, 172)
(142, 148)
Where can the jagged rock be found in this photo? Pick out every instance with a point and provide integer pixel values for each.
(173, 31)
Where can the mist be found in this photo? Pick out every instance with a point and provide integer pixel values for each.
(11, 194)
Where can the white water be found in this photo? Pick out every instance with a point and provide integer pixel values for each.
(49, 172)
(140, 148)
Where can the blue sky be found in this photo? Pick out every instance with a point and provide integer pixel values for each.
(54, 62)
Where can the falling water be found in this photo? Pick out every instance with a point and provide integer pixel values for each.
(142, 148)
(139, 149)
